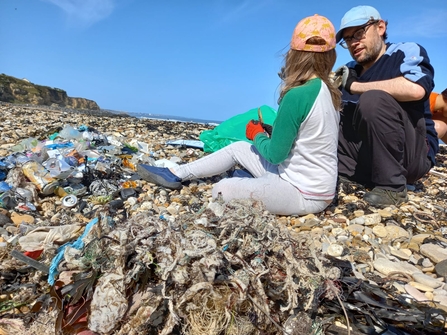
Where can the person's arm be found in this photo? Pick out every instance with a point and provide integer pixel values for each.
(400, 88)
(293, 110)
(410, 71)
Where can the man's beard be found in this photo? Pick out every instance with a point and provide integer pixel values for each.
(370, 56)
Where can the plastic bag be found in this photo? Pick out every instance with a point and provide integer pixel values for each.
(28, 144)
(233, 129)
(44, 237)
(109, 303)
(69, 133)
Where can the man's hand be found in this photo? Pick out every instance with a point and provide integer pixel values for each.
(347, 75)
(253, 128)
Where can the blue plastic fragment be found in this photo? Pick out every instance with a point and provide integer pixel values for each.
(59, 145)
(78, 244)
(4, 186)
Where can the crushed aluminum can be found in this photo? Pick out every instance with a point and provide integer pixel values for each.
(69, 200)
(40, 177)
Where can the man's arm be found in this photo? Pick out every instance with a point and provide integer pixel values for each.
(400, 88)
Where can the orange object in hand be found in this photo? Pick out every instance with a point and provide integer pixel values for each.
(253, 128)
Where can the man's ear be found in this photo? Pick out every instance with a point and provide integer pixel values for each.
(381, 27)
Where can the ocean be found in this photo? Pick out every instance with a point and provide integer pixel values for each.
(172, 118)
(177, 118)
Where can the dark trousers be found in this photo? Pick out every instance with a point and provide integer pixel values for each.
(380, 144)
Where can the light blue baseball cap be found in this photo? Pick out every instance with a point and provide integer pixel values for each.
(357, 16)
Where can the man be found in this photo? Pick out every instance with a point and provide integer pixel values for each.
(387, 137)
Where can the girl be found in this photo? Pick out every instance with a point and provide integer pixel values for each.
(295, 168)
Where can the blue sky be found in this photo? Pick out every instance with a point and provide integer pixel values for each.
(207, 59)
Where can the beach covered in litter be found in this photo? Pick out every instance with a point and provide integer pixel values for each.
(91, 248)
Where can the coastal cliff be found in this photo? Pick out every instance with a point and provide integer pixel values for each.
(21, 91)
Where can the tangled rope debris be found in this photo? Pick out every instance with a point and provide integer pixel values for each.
(238, 273)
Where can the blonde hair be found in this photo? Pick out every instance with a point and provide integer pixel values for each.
(300, 66)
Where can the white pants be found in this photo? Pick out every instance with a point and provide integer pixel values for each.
(278, 195)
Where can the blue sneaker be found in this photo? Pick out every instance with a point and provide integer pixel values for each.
(159, 176)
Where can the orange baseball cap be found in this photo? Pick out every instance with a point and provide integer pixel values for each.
(313, 26)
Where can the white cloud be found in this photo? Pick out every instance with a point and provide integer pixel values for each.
(85, 12)
(428, 24)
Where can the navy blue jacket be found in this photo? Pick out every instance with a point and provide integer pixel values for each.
(411, 61)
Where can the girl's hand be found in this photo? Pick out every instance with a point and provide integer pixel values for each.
(253, 128)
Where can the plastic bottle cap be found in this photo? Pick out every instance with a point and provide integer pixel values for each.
(69, 200)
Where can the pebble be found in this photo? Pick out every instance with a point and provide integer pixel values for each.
(421, 287)
(435, 252)
(372, 219)
(386, 267)
(335, 250)
(359, 213)
(358, 221)
(429, 269)
(399, 287)
(396, 232)
(427, 280)
(342, 238)
(440, 292)
(350, 198)
(441, 299)
(380, 231)
(385, 213)
(415, 293)
(401, 253)
(355, 228)
(419, 238)
(338, 231)
(441, 268)
(426, 263)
